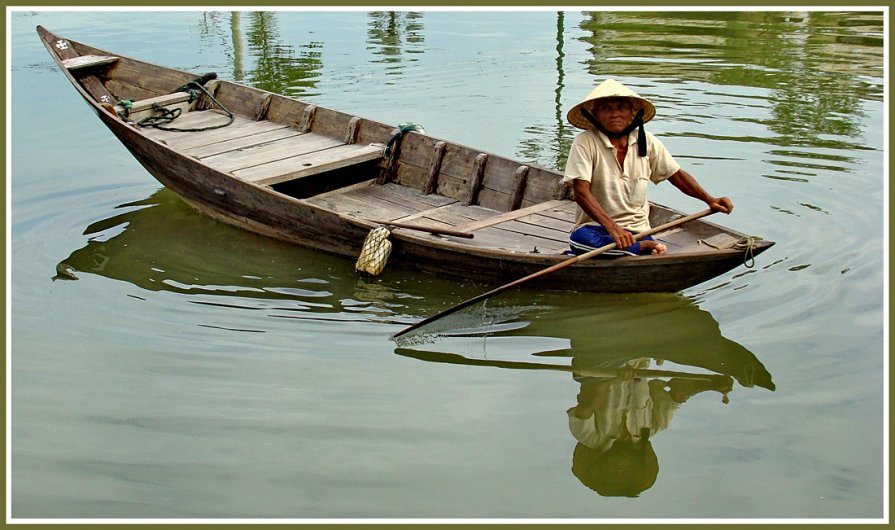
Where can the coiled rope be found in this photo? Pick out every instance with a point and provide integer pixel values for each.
(747, 244)
(166, 115)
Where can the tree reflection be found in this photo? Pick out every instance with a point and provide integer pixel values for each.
(278, 68)
(392, 34)
(805, 61)
(534, 147)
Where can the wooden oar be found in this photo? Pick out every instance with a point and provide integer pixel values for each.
(437, 230)
(548, 270)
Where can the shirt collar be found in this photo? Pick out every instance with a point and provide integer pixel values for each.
(632, 138)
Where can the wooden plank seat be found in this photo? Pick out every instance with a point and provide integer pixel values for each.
(91, 83)
(83, 62)
(268, 169)
(145, 108)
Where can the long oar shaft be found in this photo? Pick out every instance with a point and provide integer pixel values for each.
(437, 230)
(548, 270)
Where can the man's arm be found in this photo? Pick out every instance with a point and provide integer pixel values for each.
(587, 202)
(687, 184)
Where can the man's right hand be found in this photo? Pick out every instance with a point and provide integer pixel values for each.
(623, 238)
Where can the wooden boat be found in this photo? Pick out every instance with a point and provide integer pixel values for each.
(323, 179)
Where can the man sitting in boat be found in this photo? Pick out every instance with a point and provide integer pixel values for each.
(609, 166)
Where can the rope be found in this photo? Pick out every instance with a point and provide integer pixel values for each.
(166, 115)
(127, 105)
(169, 115)
(747, 244)
(403, 128)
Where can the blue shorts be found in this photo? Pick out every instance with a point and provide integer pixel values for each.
(591, 237)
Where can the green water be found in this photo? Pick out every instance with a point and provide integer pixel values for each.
(166, 366)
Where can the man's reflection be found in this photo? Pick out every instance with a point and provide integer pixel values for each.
(615, 418)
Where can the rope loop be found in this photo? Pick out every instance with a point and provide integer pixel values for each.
(193, 88)
(126, 106)
(747, 244)
(166, 116)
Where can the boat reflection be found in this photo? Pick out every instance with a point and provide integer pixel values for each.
(160, 244)
(636, 367)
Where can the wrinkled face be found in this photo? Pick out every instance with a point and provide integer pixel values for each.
(614, 113)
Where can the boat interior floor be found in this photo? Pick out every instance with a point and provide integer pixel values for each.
(541, 228)
(260, 151)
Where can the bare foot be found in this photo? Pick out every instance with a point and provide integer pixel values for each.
(653, 247)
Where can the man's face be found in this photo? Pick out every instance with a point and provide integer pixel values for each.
(615, 113)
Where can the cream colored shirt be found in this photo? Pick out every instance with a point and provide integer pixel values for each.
(621, 191)
(632, 402)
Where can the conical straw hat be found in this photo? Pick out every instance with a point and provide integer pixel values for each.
(608, 89)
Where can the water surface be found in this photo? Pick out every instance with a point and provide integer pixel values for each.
(164, 365)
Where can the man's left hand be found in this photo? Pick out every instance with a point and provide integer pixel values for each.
(723, 205)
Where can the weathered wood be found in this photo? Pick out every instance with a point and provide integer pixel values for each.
(435, 167)
(242, 142)
(362, 207)
(478, 175)
(208, 118)
(404, 196)
(519, 188)
(520, 227)
(388, 192)
(147, 107)
(389, 203)
(239, 100)
(149, 78)
(88, 61)
(65, 50)
(240, 127)
(163, 100)
(126, 90)
(261, 113)
(389, 169)
(516, 214)
(268, 152)
(525, 244)
(429, 227)
(309, 164)
(353, 127)
(431, 213)
(458, 214)
(435, 182)
(183, 106)
(307, 118)
(720, 241)
(205, 102)
(561, 191)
